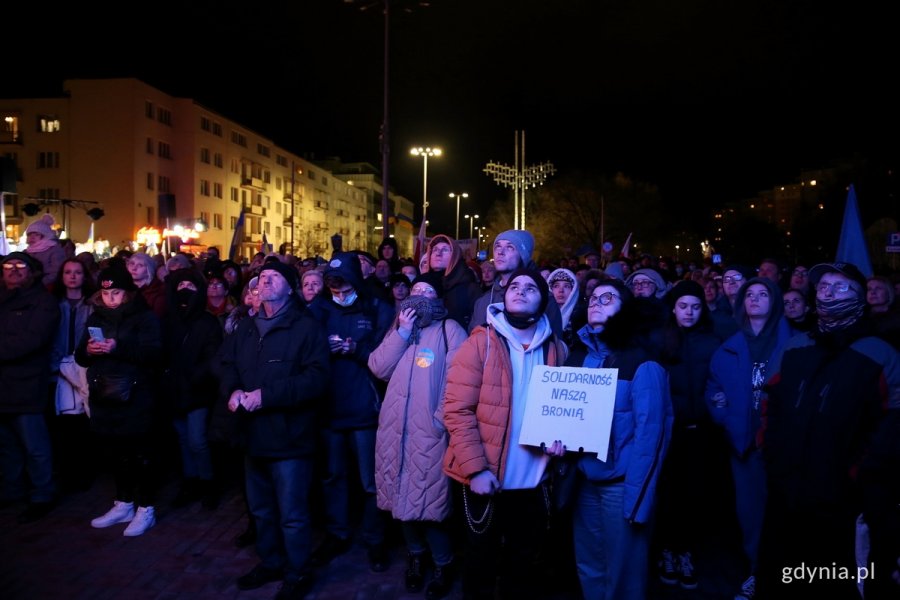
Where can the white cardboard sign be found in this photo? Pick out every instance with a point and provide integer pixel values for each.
(571, 404)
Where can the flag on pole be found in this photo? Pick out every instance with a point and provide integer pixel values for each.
(420, 244)
(4, 245)
(627, 246)
(852, 245)
(235, 250)
(90, 237)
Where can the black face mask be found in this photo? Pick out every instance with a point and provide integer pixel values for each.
(185, 298)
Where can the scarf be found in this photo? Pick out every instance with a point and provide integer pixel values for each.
(835, 315)
(522, 322)
(427, 311)
(40, 246)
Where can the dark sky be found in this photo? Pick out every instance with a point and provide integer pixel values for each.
(710, 100)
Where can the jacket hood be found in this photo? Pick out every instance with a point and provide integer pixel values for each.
(346, 266)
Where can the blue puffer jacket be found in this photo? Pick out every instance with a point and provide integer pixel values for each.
(642, 423)
(289, 364)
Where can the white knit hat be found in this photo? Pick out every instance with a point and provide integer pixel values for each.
(43, 226)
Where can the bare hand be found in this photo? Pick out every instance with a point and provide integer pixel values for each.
(407, 319)
(104, 347)
(335, 344)
(234, 401)
(555, 449)
(485, 484)
(348, 347)
(252, 400)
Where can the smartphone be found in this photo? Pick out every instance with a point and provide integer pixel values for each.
(717, 259)
(96, 334)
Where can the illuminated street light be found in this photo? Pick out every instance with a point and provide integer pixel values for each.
(425, 153)
(458, 196)
(471, 223)
(520, 178)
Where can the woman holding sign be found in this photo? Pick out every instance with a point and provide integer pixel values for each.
(504, 495)
(615, 503)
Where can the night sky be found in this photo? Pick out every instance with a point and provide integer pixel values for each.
(712, 101)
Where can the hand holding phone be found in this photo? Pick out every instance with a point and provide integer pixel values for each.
(96, 334)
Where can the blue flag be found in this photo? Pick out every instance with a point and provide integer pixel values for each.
(235, 250)
(852, 245)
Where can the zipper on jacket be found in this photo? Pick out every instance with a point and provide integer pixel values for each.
(800, 390)
(824, 396)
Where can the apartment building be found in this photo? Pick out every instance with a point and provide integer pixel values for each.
(152, 162)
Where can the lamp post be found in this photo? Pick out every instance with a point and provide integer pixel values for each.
(425, 153)
(458, 196)
(471, 219)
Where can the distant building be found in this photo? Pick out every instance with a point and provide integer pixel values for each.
(151, 161)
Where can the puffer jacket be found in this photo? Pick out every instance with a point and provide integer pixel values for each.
(641, 426)
(477, 403)
(411, 438)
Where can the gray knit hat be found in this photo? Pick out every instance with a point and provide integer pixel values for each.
(522, 240)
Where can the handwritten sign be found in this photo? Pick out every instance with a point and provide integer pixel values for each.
(571, 404)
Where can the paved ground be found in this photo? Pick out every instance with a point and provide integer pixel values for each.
(191, 554)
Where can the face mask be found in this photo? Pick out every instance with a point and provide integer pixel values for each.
(347, 301)
(185, 297)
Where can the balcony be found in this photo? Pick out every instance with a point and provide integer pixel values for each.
(321, 205)
(254, 183)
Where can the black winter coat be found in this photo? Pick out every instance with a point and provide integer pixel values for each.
(290, 366)
(137, 354)
(29, 318)
(191, 343)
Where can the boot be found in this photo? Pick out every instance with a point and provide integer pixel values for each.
(187, 493)
(415, 578)
(442, 582)
(209, 494)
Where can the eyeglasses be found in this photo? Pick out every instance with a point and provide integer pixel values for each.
(800, 272)
(733, 278)
(421, 290)
(17, 266)
(643, 283)
(604, 299)
(822, 287)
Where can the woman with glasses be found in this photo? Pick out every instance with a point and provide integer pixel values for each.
(613, 507)
(461, 288)
(734, 395)
(411, 438)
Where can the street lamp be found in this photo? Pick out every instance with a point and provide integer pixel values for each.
(425, 153)
(458, 196)
(471, 219)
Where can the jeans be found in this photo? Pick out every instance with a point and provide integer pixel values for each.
(750, 495)
(278, 496)
(428, 535)
(339, 447)
(25, 448)
(196, 458)
(610, 552)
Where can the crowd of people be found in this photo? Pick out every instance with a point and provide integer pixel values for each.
(401, 387)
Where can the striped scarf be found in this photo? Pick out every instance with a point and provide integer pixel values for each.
(835, 315)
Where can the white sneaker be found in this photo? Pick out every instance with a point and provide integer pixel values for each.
(143, 520)
(121, 512)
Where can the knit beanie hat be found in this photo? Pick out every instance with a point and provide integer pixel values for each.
(43, 226)
(522, 240)
(289, 273)
(432, 278)
(538, 281)
(686, 288)
(116, 278)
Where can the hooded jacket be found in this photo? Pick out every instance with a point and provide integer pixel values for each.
(461, 287)
(191, 339)
(478, 402)
(729, 389)
(354, 397)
